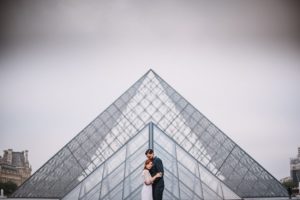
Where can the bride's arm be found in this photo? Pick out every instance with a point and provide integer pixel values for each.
(148, 180)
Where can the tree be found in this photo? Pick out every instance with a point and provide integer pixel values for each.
(8, 187)
(289, 184)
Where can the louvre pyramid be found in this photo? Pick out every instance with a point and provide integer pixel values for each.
(105, 160)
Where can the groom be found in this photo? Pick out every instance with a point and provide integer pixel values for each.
(158, 185)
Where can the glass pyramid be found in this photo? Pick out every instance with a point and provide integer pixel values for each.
(105, 160)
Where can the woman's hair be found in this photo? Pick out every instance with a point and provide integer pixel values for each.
(147, 162)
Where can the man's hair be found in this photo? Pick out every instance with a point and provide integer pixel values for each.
(149, 151)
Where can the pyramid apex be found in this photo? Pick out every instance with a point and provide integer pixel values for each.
(150, 71)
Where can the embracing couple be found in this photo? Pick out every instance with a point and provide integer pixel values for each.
(153, 176)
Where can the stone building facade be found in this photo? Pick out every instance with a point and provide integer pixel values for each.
(14, 166)
(295, 168)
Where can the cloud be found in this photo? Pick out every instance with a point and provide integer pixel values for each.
(64, 62)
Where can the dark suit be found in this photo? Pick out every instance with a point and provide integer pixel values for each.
(158, 185)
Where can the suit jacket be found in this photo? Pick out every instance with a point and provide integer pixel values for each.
(157, 167)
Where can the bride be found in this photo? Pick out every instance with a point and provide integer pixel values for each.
(148, 180)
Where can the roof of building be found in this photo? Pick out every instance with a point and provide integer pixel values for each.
(18, 159)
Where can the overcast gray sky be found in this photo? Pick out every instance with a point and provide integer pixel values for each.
(63, 62)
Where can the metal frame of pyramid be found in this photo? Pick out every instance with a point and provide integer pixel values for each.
(96, 163)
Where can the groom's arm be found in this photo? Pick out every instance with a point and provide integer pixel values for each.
(159, 166)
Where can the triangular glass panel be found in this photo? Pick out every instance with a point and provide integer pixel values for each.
(191, 179)
(119, 177)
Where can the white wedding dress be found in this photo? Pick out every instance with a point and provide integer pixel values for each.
(147, 186)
